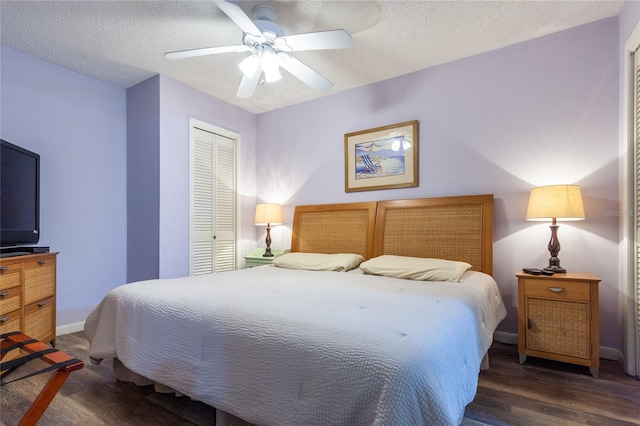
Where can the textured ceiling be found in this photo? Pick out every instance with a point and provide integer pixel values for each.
(123, 42)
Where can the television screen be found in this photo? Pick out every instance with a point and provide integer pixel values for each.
(19, 195)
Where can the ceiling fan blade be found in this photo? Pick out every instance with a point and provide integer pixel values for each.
(334, 39)
(248, 84)
(241, 19)
(306, 74)
(180, 54)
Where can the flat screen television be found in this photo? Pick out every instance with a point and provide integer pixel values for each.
(19, 195)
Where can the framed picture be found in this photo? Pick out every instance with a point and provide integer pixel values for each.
(381, 158)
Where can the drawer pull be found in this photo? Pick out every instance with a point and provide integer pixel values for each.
(556, 289)
(4, 293)
(529, 324)
(4, 318)
(4, 268)
(42, 304)
(42, 262)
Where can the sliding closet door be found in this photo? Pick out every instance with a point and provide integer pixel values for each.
(636, 135)
(213, 203)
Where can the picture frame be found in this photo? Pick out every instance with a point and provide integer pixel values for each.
(381, 158)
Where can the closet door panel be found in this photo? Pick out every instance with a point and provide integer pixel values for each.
(213, 203)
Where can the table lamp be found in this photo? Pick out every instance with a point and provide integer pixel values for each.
(268, 214)
(555, 203)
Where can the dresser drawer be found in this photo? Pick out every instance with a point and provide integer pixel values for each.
(557, 289)
(39, 319)
(39, 280)
(10, 300)
(10, 275)
(11, 322)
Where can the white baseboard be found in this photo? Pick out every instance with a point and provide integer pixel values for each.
(506, 338)
(512, 339)
(69, 328)
(610, 353)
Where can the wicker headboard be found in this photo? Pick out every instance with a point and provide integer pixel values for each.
(334, 228)
(454, 228)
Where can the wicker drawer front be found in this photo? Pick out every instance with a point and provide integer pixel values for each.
(39, 319)
(11, 322)
(10, 275)
(39, 281)
(557, 289)
(10, 300)
(558, 327)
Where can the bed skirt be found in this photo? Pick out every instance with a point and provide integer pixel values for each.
(125, 375)
(222, 417)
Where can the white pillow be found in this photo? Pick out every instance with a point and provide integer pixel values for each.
(342, 262)
(415, 268)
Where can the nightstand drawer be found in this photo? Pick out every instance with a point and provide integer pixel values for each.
(556, 289)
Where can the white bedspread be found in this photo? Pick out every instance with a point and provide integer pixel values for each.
(289, 347)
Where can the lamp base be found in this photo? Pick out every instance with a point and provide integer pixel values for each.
(557, 269)
(267, 242)
(554, 249)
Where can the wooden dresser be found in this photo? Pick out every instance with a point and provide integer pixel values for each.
(558, 318)
(28, 295)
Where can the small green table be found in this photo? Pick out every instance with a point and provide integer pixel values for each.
(256, 258)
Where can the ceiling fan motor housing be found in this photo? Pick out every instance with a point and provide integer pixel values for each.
(265, 15)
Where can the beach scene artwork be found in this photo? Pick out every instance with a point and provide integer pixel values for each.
(380, 158)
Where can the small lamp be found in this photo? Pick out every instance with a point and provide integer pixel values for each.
(555, 202)
(268, 214)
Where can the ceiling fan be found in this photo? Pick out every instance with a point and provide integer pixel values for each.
(269, 48)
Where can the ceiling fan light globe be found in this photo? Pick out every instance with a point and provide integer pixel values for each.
(272, 74)
(269, 58)
(270, 64)
(249, 65)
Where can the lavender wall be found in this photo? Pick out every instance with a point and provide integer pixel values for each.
(536, 113)
(179, 102)
(78, 126)
(143, 180)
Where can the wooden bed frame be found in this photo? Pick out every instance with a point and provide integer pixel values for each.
(454, 228)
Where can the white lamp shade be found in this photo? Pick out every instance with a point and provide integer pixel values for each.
(268, 214)
(561, 202)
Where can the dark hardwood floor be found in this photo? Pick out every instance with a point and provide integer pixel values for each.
(543, 392)
(539, 392)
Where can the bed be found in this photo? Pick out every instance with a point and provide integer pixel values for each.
(278, 346)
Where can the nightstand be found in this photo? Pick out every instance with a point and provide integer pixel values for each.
(558, 318)
(255, 258)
